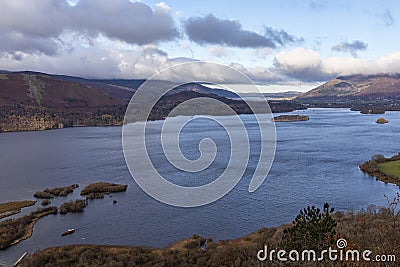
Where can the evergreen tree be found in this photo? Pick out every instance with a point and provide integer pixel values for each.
(311, 230)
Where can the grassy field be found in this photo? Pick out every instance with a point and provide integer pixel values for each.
(391, 168)
(9, 208)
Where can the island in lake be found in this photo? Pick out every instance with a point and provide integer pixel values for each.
(13, 231)
(289, 118)
(381, 121)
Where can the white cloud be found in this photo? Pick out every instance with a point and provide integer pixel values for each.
(300, 63)
(307, 65)
(162, 7)
(298, 58)
(263, 52)
(218, 51)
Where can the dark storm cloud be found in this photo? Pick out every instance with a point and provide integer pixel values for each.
(22, 22)
(352, 48)
(134, 23)
(213, 30)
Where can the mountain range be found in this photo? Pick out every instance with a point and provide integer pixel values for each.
(366, 93)
(39, 101)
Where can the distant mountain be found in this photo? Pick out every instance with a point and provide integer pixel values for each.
(272, 96)
(40, 101)
(358, 86)
(202, 89)
(132, 85)
(365, 93)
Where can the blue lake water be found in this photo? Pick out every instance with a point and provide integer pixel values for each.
(316, 161)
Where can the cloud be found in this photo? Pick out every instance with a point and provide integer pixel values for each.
(388, 18)
(307, 65)
(352, 47)
(36, 26)
(14, 42)
(152, 50)
(281, 37)
(218, 51)
(302, 64)
(298, 65)
(213, 30)
(125, 20)
(185, 46)
(259, 74)
(263, 52)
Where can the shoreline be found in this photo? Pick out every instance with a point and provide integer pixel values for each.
(122, 124)
(372, 168)
(204, 251)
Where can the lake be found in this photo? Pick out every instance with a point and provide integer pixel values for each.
(316, 161)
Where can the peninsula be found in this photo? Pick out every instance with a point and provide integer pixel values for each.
(384, 169)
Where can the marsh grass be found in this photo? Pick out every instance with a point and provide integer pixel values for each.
(14, 207)
(103, 188)
(15, 230)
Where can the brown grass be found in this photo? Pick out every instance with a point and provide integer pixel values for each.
(14, 207)
(16, 230)
(374, 229)
(103, 188)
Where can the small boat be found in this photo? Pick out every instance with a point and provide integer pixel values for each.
(68, 232)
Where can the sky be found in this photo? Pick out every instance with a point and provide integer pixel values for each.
(281, 45)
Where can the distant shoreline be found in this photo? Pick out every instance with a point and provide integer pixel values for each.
(121, 124)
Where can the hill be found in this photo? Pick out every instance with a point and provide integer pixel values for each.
(362, 86)
(39, 101)
(368, 93)
(36, 101)
(45, 91)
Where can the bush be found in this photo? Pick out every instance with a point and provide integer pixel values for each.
(14, 230)
(73, 206)
(40, 194)
(378, 158)
(95, 196)
(61, 191)
(196, 242)
(45, 202)
(104, 188)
